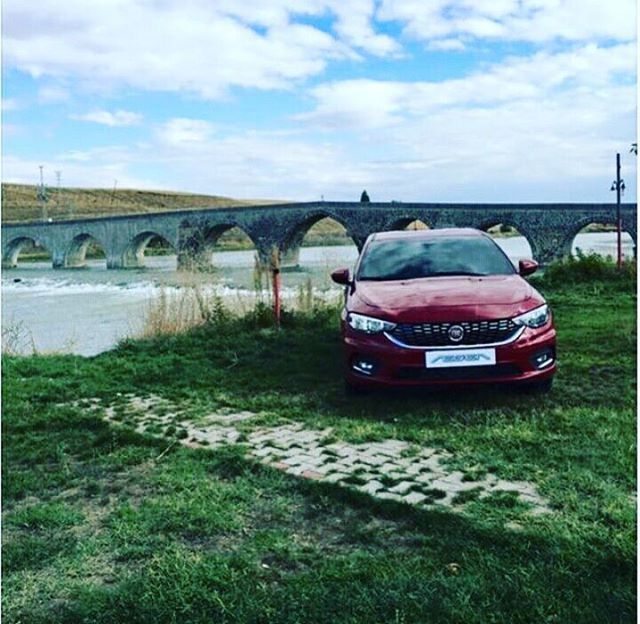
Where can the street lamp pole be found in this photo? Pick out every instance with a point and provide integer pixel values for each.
(618, 219)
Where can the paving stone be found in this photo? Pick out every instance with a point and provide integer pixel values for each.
(388, 496)
(335, 477)
(302, 452)
(349, 460)
(402, 488)
(315, 451)
(310, 474)
(503, 486)
(373, 460)
(414, 498)
(325, 469)
(395, 476)
(446, 501)
(293, 460)
(300, 470)
(262, 452)
(413, 469)
(433, 463)
(280, 466)
(426, 479)
(340, 467)
(454, 486)
(371, 487)
(230, 418)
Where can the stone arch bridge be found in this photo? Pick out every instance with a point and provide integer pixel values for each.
(549, 228)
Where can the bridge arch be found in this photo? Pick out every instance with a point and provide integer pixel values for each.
(197, 242)
(491, 221)
(134, 253)
(569, 246)
(14, 247)
(403, 222)
(76, 252)
(507, 223)
(292, 240)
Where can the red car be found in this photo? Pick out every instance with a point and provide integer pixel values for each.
(443, 306)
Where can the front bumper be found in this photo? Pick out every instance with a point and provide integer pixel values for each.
(394, 365)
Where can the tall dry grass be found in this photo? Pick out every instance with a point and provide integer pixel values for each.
(17, 339)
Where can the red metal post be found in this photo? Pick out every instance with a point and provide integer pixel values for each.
(276, 295)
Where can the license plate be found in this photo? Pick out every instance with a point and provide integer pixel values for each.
(460, 357)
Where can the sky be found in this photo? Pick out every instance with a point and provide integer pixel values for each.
(412, 100)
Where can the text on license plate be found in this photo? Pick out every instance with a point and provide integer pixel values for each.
(460, 357)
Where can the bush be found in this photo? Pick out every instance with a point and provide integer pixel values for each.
(585, 269)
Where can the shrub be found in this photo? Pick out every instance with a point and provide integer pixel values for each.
(584, 269)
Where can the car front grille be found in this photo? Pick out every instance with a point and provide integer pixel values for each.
(437, 334)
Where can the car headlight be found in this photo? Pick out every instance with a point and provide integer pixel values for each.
(367, 324)
(534, 318)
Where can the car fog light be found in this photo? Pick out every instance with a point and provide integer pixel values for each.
(543, 358)
(363, 365)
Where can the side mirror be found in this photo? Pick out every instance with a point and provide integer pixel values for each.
(341, 276)
(527, 267)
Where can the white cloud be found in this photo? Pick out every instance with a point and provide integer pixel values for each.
(11, 104)
(374, 104)
(183, 132)
(107, 118)
(535, 128)
(541, 127)
(446, 45)
(52, 94)
(515, 20)
(168, 46)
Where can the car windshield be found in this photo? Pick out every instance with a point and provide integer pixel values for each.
(405, 259)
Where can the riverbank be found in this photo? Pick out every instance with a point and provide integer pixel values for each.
(103, 524)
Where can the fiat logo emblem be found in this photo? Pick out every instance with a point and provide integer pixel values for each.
(456, 333)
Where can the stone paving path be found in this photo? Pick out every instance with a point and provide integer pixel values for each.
(389, 470)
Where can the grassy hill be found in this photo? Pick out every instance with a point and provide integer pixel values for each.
(20, 202)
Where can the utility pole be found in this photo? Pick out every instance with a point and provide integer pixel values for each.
(113, 193)
(618, 187)
(42, 195)
(58, 177)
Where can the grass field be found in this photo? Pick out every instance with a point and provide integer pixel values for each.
(104, 525)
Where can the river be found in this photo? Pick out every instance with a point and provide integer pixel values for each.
(87, 311)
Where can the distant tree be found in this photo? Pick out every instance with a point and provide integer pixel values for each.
(634, 148)
(364, 198)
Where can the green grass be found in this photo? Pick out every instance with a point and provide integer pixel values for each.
(101, 525)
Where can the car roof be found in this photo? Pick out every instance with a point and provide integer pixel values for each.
(427, 233)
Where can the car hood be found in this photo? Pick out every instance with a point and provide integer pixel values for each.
(441, 299)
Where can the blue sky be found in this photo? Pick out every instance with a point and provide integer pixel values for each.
(414, 100)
